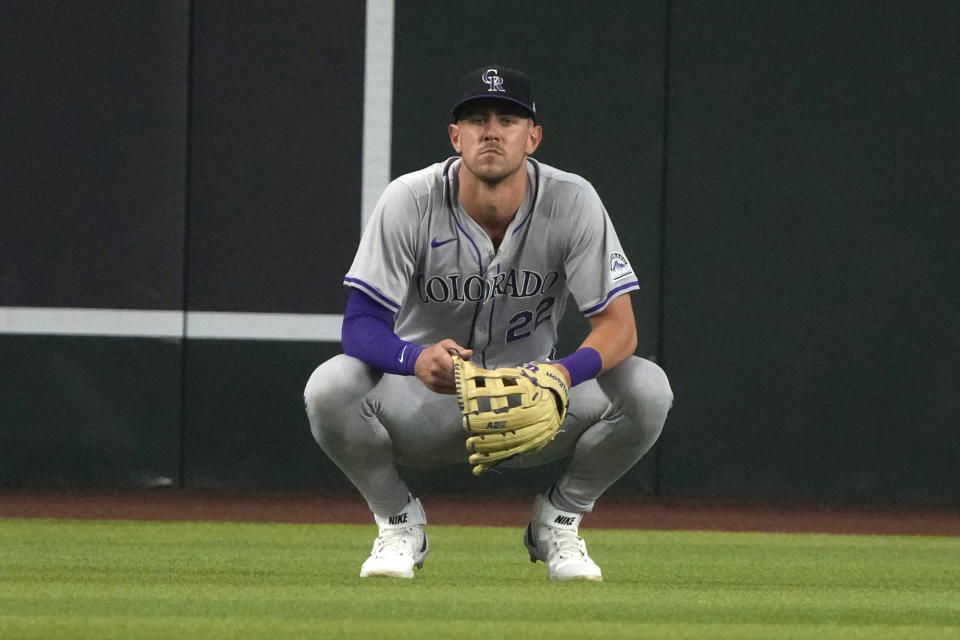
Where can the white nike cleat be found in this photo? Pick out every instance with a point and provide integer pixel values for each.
(551, 537)
(401, 545)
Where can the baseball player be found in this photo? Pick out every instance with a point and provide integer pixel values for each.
(478, 256)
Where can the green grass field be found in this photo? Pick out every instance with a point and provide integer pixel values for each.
(119, 579)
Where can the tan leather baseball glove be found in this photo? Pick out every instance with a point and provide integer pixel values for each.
(508, 411)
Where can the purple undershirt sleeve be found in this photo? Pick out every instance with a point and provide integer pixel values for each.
(367, 335)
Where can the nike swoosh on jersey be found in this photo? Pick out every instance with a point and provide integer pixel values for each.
(439, 243)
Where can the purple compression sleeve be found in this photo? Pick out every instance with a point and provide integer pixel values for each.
(367, 335)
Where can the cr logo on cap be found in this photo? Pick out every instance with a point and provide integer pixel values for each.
(491, 78)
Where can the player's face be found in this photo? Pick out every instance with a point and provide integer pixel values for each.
(494, 139)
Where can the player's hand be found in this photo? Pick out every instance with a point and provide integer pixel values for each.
(434, 367)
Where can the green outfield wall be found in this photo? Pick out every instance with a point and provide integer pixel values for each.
(783, 176)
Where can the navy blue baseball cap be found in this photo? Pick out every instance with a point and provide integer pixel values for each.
(495, 82)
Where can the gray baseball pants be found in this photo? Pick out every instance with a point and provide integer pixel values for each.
(367, 421)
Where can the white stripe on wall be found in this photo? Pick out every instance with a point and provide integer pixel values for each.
(377, 105)
(264, 326)
(170, 324)
(91, 322)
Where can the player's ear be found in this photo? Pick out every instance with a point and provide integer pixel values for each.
(454, 132)
(534, 138)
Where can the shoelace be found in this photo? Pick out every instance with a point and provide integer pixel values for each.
(568, 543)
(395, 541)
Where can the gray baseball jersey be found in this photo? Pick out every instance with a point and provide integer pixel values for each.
(423, 257)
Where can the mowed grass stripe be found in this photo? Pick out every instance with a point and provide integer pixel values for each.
(153, 629)
(86, 579)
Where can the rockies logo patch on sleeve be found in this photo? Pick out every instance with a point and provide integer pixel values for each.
(619, 266)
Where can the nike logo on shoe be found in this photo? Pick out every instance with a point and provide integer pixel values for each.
(439, 243)
(565, 520)
(400, 519)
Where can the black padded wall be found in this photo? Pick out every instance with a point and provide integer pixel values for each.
(92, 144)
(275, 161)
(85, 411)
(811, 251)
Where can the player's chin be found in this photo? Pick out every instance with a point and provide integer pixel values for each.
(493, 171)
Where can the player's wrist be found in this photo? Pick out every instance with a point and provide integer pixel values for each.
(566, 373)
(407, 358)
(583, 364)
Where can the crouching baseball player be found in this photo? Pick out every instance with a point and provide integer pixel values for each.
(460, 280)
